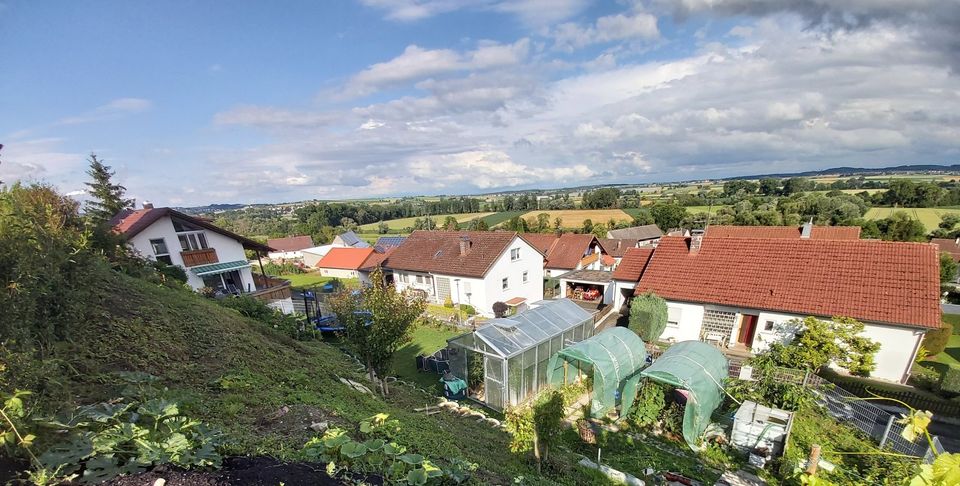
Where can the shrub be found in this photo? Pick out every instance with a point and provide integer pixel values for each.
(259, 311)
(500, 309)
(648, 316)
(468, 309)
(448, 303)
(925, 378)
(935, 341)
(951, 381)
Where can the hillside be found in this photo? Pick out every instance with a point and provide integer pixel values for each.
(235, 373)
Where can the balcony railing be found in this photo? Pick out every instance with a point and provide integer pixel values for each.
(193, 258)
(270, 288)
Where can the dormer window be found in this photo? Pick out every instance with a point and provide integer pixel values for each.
(514, 254)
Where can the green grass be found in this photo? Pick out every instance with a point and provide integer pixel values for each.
(930, 217)
(445, 313)
(232, 372)
(704, 209)
(953, 319)
(951, 355)
(425, 340)
(497, 218)
(404, 223)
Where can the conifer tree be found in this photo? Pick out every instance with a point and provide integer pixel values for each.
(108, 198)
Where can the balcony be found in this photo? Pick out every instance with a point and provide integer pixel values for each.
(270, 288)
(193, 258)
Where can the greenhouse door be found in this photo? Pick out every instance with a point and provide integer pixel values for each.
(493, 382)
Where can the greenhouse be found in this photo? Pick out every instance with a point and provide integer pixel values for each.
(613, 358)
(514, 351)
(700, 369)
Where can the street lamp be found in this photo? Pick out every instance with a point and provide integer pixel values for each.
(456, 281)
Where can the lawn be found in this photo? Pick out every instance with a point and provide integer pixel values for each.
(951, 355)
(930, 217)
(404, 223)
(573, 218)
(426, 340)
(313, 279)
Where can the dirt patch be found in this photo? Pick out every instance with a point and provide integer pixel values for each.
(236, 470)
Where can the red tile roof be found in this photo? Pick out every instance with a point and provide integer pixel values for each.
(542, 241)
(344, 258)
(633, 263)
(291, 243)
(131, 222)
(878, 281)
(376, 259)
(439, 252)
(818, 233)
(568, 250)
(617, 247)
(948, 245)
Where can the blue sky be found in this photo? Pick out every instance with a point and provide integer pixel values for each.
(200, 102)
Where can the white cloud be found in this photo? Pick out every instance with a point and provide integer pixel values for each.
(264, 116)
(115, 109)
(416, 63)
(534, 13)
(611, 28)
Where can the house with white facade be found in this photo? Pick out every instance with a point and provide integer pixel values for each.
(343, 262)
(349, 239)
(212, 257)
(478, 268)
(289, 248)
(570, 251)
(746, 293)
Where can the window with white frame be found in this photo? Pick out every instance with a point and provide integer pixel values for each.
(194, 240)
(768, 326)
(419, 279)
(514, 254)
(526, 277)
(505, 283)
(673, 317)
(160, 251)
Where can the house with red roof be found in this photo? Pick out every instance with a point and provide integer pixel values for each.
(343, 262)
(746, 293)
(213, 257)
(290, 247)
(478, 268)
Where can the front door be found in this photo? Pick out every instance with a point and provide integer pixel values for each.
(748, 327)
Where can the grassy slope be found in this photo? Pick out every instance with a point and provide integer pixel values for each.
(425, 340)
(232, 371)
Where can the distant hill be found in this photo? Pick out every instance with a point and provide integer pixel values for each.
(855, 171)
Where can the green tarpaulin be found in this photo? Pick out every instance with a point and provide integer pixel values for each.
(613, 358)
(216, 268)
(700, 369)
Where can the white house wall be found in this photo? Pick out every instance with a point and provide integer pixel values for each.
(898, 345)
(339, 273)
(618, 287)
(227, 249)
(530, 261)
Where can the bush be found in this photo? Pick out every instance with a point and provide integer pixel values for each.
(500, 309)
(648, 316)
(951, 381)
(468, 309)
(257, 310)
(648, 405)
(935, 341)
(925, 378)
(448, 303)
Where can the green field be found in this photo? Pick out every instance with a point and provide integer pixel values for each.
(312, 279)
(930, 217)
(574, 218)
(403, 223)
(704, 209)
(493, 219)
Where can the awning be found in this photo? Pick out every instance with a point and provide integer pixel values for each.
(515, 301)
(217, 268)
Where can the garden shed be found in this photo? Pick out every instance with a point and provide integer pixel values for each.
(700, 369)
(613, 358)
(513, 352)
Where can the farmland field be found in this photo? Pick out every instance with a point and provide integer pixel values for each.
(573, 218)
(704, 209)
(493, 219)
(930, 217)
(402, 223)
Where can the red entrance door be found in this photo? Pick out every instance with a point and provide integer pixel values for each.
(747, 328)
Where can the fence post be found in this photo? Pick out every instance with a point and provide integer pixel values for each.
(806, 377)
(886, 431)
(814, 460)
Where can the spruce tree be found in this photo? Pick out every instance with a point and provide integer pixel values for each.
(108, 198)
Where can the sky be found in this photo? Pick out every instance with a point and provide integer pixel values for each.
(199, 102)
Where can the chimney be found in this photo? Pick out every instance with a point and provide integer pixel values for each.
(696, 240)
(147, 205)
(464, 245)
(807, 230)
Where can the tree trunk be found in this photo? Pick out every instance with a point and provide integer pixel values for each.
(536, 451)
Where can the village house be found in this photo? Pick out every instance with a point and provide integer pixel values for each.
(213, 257)
(570, 251)
(807, 231)
(647, 234)
(343, 262)
(348, 240)
(289, 248)
(478, 268)
(745, 293)
(617, 247)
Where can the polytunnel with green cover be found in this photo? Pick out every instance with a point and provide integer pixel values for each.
(700, 369)
(612, 358)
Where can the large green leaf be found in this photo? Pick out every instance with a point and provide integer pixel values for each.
(353, 449)
(417, 476)
(159, 408)
(100, 469)
(946, 469)
(374, 445)
(104, 412)
(68, 454)
(392, 449)
(412, 459)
